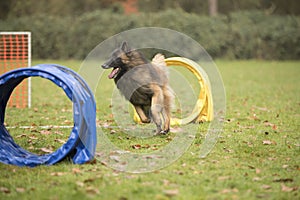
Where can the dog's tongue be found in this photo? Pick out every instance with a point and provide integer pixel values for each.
(113, 73)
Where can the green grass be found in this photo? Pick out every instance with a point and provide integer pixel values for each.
(256, 157)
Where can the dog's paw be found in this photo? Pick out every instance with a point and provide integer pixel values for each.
(161, 132)
(146, 121)
(164, 132)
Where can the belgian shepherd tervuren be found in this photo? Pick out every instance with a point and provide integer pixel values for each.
(144, 84)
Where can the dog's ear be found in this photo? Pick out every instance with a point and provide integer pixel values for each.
(125, 47)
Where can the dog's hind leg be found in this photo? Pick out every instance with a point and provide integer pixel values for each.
(168, 98)
(157, 107)
(166, 119)
(141, 114)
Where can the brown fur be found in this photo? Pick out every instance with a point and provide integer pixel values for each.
(144, 84)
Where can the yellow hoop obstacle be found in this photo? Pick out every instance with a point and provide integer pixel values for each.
(203, 110)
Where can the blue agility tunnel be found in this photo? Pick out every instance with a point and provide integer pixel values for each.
(81, 144)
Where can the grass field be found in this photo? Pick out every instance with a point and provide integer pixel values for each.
(257, 155)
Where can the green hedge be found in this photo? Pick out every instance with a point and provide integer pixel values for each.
(242, 35)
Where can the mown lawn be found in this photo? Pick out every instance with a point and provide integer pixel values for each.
(257, 155)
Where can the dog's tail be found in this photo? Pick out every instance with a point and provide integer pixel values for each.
(159, 61)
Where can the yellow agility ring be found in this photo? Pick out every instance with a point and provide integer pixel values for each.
(203, 110)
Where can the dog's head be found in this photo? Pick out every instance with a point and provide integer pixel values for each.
(119, 60)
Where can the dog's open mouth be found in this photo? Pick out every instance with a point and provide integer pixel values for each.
(114, 73)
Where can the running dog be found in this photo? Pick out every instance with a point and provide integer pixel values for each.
(144, 84)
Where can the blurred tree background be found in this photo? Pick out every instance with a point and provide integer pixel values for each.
(9, 8)
(235, 29)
